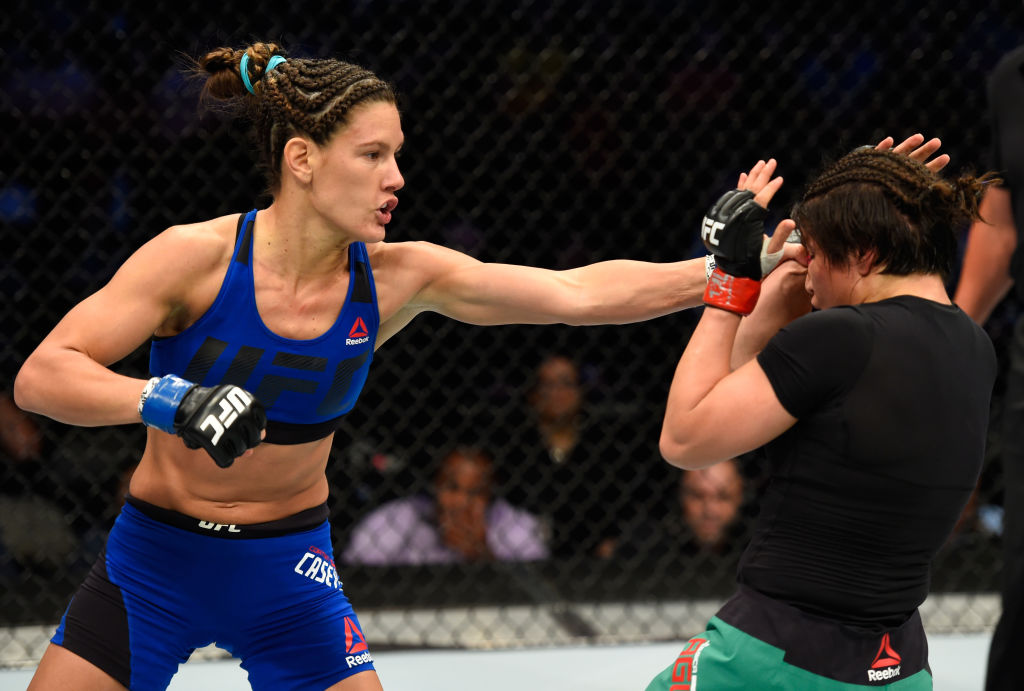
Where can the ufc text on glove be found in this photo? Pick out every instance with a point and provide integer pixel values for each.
(733, 231)
(224, 420)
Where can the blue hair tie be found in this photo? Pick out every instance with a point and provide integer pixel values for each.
(274, 61)
(243, 69)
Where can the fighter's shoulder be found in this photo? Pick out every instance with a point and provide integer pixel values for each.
(407, 250)
(193, 247)
(843, 324)
(419, 255)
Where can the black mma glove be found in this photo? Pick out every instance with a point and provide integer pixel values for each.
(224, 420)
(733, 231)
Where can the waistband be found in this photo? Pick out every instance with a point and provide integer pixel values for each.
(302, 521)
(850, 654)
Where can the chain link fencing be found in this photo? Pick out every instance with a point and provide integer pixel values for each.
(547, 133)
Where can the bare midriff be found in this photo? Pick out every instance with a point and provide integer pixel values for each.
(272, 482)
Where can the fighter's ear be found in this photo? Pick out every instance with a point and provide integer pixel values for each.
(297, 159)
(867, 262)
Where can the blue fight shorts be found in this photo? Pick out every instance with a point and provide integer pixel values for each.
(267, 593)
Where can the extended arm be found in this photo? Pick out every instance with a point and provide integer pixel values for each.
(611, 292)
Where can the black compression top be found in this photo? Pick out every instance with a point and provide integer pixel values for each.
(892, 401)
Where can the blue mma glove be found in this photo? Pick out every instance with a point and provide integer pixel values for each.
(225, 420)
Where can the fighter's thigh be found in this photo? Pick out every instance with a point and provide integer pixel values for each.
(62, 670)
(681, 675)
(364, 681)
(319, 647)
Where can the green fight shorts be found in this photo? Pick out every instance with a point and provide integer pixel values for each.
(755, 642)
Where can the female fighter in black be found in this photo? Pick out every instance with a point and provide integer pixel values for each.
(874, 410)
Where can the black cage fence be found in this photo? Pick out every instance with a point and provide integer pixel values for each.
(547, 133)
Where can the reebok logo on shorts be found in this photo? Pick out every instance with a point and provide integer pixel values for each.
(358, 652)
(887, 662)
(354, 641)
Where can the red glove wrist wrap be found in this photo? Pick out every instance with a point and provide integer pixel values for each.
(738, 295)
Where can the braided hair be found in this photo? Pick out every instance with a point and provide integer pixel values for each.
(879, 201)
(297, 96)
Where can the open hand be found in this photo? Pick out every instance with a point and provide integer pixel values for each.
(760, 181)
(918, 149)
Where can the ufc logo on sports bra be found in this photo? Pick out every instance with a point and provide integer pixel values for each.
(269, 374)
(230, 406)
(709, 230)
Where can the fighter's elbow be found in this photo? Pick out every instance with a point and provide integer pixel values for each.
(670, 451)
(687, 449)
(674, 450)
(24, 390)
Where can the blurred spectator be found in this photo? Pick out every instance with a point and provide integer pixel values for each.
(707, 519)
(460, 521)
(551, 470)
(711, 499)
(20, 436)
(575, 469)
(33, 530)
(365, 472)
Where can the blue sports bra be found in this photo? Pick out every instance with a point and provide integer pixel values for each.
(305, 386)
